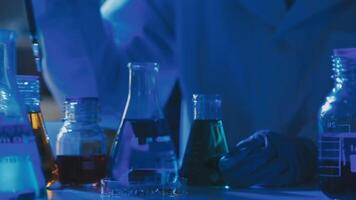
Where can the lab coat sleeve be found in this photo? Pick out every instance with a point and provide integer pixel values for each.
(87, 56)
(145, 31)
(68, 69)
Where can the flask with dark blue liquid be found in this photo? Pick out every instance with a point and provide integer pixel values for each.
(337, 130)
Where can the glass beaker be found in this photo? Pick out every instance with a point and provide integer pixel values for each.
(81, 143)
(206, 143)
(142, 158)
(337, 130)
(29, 89)
(20, 166)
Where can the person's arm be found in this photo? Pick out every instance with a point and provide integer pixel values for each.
(81, 56)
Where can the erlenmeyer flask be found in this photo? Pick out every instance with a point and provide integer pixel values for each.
(29, 89)
(20, 168)
(143, 160)
(206, 144)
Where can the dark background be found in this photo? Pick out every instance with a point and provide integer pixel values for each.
(13, 17)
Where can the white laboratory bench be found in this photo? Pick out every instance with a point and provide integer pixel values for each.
(306, 193)
(207, 194)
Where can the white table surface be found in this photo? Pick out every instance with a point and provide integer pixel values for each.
(193, 193)
(208, 194)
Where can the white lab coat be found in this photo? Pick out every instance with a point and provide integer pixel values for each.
(271, 65)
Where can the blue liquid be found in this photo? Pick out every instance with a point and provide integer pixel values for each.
(20, 168)
(17, 175)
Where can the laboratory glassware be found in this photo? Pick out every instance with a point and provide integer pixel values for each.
(34, 35)
(29, 89)
(337, 129)
(206, 143)
(20, 167)
(81, 143)
(143, 160)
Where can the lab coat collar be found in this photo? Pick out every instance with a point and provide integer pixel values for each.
(276, 14)
(271, 11)
(304, 9)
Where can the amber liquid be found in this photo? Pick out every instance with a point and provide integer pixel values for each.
(49, 166)
(206, 144)
(78, 170)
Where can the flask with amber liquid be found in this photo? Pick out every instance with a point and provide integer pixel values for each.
(29, 89)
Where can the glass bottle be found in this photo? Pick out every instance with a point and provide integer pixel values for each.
(20, 168)
(337, 129)
(206, 143)
(29, 88)
(142, 158)
(81, 143)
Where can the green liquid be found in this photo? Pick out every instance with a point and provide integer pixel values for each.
(206, 144)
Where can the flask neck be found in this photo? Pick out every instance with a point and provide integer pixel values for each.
(142, 100)
(81, 110)
(344, 76)
(29, 89)
(207, 107)
(11, 111)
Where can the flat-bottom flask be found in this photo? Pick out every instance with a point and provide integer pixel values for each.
(206, 144)
(20, 167)
(143, 161)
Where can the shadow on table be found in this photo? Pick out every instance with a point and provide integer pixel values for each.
(256, 194)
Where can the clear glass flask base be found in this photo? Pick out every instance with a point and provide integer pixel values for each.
(114, 189)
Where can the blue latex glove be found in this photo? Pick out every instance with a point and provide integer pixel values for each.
(269, 159)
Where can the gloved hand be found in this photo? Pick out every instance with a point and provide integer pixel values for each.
(269, 159)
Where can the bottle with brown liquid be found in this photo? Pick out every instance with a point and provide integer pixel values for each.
(29, 89)
(206, 143)
(81, 143)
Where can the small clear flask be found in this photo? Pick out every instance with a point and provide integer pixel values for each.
(29, 89)
(337, 130)
(143, 160)
(81, 144)
(206, 143)
(20, 167)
